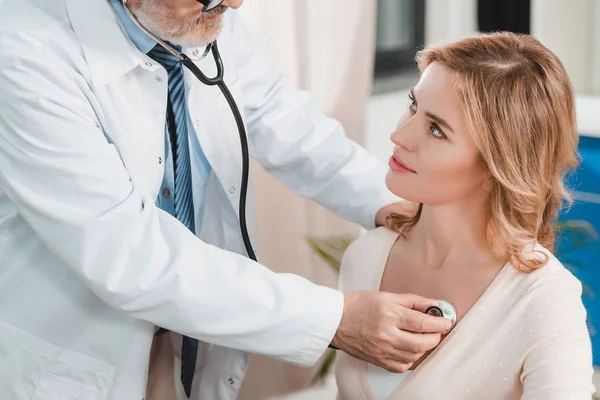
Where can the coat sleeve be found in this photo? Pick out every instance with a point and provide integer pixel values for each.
(69, 184)
(295, 141)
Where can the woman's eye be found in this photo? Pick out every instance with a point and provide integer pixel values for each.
(434, 128)
(412, 104)
(437, 132)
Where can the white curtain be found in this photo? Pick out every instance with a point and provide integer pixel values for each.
(326, 48)
(595, 49)
(570, 30)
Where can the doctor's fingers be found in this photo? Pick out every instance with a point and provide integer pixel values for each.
(394, 366)
(392, 349)
(412, 301)
(402, 350)
(413, 343)
(387, 357)
(418, 322)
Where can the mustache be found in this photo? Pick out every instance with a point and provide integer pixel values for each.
(218, 10)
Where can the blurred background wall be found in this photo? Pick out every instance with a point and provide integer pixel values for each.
(327, 50)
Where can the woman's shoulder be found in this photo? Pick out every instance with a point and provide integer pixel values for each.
(553, 274)
(551, 298)
(365, 257)
(381, 237)
(376, 242)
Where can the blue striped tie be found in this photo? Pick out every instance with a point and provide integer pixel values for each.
(184, 210)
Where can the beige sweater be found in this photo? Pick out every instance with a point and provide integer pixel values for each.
(525, 338)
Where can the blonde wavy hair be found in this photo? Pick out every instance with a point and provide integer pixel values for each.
(520, 107)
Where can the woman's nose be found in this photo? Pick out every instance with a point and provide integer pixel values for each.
(403, 136)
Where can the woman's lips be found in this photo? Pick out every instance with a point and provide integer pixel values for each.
(397, 165)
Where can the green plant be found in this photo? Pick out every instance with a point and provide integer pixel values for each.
(331, 250)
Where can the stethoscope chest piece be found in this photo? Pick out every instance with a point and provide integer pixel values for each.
(444, 310)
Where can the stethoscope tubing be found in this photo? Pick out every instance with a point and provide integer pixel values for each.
(218, 81)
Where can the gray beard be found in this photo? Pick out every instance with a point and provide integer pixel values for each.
(184, 35)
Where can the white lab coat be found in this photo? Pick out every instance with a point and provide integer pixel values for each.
(88, 263)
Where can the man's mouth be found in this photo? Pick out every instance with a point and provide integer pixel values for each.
(214, 13)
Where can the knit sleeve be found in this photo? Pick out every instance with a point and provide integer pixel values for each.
(558, 364)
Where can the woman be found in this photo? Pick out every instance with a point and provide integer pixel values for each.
(483, 147)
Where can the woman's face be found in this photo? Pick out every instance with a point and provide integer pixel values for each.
(435, 159)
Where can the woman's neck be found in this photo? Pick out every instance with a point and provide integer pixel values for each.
(451, 235)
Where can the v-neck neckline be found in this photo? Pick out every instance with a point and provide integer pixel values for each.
(376, 285)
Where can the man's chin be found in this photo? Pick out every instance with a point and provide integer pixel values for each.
(198, 40)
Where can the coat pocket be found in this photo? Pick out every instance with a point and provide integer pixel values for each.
(35, 369)
(54, 387)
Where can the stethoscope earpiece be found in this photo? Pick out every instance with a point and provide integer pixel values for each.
(444, 310)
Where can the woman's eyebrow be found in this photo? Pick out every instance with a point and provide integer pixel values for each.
(434, 117)
(440, 121)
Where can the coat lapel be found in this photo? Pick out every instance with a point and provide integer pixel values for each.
(131, 90)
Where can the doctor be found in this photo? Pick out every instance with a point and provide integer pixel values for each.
(107, 230)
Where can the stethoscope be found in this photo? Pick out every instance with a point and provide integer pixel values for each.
(219, 82)
(443, 310)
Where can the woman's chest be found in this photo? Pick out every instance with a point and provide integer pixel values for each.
(461, 289)
(476, 364)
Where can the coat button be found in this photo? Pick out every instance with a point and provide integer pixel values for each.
(232, 190)
(230, 381)
(159, 160)
(166, 193)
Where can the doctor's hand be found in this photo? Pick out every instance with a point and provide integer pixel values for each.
(388, 330)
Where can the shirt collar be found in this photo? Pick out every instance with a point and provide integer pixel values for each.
(141, 40)
(109, 51)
